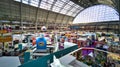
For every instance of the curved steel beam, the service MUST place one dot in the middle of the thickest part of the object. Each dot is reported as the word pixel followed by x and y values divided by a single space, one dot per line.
pixel 36 15
pixel 51 10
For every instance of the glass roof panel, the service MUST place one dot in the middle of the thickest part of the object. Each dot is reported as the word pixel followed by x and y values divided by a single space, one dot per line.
pixel 77 11
pixel 60 6
pixel 59 3
pixel 56 9
pixel 69 13
pixel 65 0
pixel 80 8
pixel 25 1
pixel 74 14
pixel 50 1
pixel 70 3
pixel 98 13
pixel 77 6
pixel 34 3
pixel 64 11
pixel 45 0
pixel 18 0
pixel 73 9
pixel 45 5
pixel 67 7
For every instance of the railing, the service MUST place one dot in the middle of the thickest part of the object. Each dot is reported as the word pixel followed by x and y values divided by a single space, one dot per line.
pixel 46 60
pixel 97 59
pixel 93 49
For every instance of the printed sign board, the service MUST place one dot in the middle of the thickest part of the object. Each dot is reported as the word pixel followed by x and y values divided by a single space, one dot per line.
pixel 5 39
pixel 41 43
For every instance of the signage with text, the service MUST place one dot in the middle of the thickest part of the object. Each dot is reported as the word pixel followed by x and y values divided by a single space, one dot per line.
pixel 5 39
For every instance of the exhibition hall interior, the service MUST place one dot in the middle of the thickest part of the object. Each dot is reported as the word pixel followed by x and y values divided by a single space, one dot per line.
pixel 59 33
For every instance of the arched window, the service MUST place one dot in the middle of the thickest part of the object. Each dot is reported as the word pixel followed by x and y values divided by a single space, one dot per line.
pixel 97 13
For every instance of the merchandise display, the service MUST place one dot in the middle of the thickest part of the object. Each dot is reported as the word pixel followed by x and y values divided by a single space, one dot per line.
pixel 97 57
pixel 92 53
pixel 59 33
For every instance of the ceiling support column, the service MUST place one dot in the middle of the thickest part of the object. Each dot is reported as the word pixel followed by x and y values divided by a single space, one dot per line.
pixel 36 16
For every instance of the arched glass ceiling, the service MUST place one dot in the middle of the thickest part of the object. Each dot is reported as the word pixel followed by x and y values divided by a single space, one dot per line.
pixel 66 7
pixel 97 13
